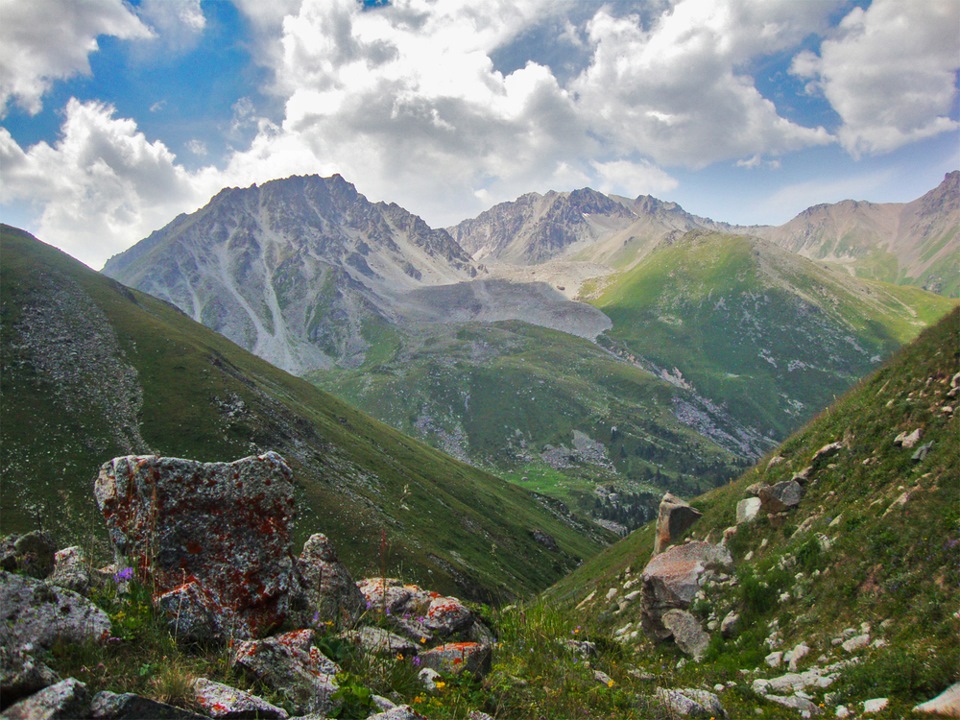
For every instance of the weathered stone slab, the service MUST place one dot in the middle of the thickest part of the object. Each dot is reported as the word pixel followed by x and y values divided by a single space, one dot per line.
pixel 223 702
pixel 674 518
pixel 748 509
pixel 223 527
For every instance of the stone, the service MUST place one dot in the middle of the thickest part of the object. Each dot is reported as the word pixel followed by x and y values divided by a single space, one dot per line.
pixel 293 667
pixel 30 554
pixel 429 678
pixel 690 702
pixel 774 659
pixel 583 648
pixel 754 489
pixel 228 703
pixel 782 496
pixel 842 711
pixel 946 704
pixel 687 633
pixel 330 592
pixel 127 706
pixel 400 712
pixel 65 700
pixel 875 705
pixel 921 452
pixel 602 678
pixel 224 528
pixel 857 642
pixel 21 674
pixel 453 658
pixel 825 453
pixel 907 440
pixel 675 517
pixel 730 625
pixel 377 641
pixel 802 705
pixel 39 614
pixel 70 571
pixel 672 580
pixel 795 655
pixel 748 509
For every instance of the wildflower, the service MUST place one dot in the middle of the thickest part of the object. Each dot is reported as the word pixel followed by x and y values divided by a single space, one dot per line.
pixel 423 641
pixel 123 575
pixel 576 630
pixel 441 685
pixel 416 662
pixel 399 657
pixel 610 683
pixel 316 617
pixel 417 700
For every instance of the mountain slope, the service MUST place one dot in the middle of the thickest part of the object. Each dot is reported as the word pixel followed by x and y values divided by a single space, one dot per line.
pixel 768 335
pixel 91 369
pixel 875 540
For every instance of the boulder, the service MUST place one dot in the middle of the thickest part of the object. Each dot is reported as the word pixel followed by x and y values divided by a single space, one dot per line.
pixel 30 554
pixel 795 702
pixel 690 702
pixel 875 705
pixel 946 704
pixel 687 633
pixel 674 518
pixel 293 667
pixel 70 571
pixel 38 614
pixel 377 641
pixel 453 658
pixel 21 674
pixel 748 509
pixel 794 656
pixel 672 579
pixel 400 712
pixel 782 496
pixel 730 625
pixel 216 534
pixel 127 706
pixel 65 700
pixel 907 439
pixel 825 453
pixel 228 703
pixel 330 593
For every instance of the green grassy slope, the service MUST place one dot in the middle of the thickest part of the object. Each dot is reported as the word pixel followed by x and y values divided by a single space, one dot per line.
pixel 892 523
pixel 73 340
pixel 772 336
pixel 503 394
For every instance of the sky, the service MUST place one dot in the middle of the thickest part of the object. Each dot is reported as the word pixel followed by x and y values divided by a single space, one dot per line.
pixel 116 116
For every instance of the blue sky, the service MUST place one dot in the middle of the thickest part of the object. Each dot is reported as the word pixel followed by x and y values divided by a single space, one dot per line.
pixel 117 116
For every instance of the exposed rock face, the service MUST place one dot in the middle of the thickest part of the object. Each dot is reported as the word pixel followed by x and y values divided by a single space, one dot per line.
pixel 675 517
pixel 782 496
pixel 672 579
pixel 292 666
pixel 37 614
pixel 215 537
pixel 331 594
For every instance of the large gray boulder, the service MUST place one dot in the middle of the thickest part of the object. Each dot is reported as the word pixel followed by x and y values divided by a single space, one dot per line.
pixel 674 518
pixel 672 579
pixel 782 496
pixel 215 539
pixel 688 635
pixel 37 614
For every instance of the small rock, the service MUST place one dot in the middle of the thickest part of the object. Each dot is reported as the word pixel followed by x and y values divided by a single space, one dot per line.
pixel 748 509
pixel 780 497
pixel 802 705
pixel 228 703
pixel 429 677
pixel 378 641
pixel 400 712
pixel 826 452
pixel 946 704
pixel 875 705
pixel 64 700
pixel 70 571
pixel 907 440
pixel 774 659
pixel 842 711
pixel 730 624
pixel 602 678
pixel 921 452
pixel 857 642
pixel 330 592
pixel 691 702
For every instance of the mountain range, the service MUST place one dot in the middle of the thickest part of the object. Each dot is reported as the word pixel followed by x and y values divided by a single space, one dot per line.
pixel 583 345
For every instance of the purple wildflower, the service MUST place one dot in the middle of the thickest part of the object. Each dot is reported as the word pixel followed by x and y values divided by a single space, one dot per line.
pixel 123 575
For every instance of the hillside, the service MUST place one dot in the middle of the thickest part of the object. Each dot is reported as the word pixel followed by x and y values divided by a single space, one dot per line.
pixel 91 369
pixel 874 540
pixel 769 335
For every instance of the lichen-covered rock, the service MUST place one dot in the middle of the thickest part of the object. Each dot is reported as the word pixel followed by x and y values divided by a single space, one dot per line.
pixel 377 641
pixel 401 712
pixel 454 658
pixel 21 674
pixel 782 496
pixel 70 571
pixel 687 633
pixel 224 528
pixel 31 554
pixel 38 614
pixel 330 593
pixel 127 706
pixel 291 665
pixel 672 579
pixel 748 509
pixel 674 518
pixel 66 700
pixel 228 703
pixel 420 614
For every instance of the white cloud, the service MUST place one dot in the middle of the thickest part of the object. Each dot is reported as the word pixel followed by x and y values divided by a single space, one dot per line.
pixel 624 177
pixel 46 40
pixel 178 24
pixel 889 72
pixel 102 186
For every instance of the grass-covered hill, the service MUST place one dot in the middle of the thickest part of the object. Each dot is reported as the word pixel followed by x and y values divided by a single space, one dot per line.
pixel 875 539
pixel 771 336
pixel 90 369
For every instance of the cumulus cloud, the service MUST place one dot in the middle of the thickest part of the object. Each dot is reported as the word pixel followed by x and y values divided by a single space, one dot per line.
pixel 102 186
pixel 178 24
pixel 890 73
pixel 46 40
pixel 624 177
